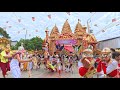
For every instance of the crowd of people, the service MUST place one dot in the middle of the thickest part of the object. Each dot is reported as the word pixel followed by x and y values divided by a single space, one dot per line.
pixel 104 65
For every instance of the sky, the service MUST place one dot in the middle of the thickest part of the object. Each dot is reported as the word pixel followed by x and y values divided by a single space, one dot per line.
pixel 17 24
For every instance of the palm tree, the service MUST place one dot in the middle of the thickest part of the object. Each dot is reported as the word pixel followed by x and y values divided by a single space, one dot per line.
pixel 4 33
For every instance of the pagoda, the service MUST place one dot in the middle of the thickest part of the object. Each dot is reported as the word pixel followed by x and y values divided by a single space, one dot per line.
pixel 54 35
pixel 67 37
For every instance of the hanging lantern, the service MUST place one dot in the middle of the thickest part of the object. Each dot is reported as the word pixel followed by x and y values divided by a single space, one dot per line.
pixel 33 18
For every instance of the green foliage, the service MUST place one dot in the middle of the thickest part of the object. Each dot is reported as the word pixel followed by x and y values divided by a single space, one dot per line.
pixel 4 33
pixel 29 44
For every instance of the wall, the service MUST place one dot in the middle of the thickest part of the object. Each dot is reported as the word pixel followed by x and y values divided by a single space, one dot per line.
pixel 111 43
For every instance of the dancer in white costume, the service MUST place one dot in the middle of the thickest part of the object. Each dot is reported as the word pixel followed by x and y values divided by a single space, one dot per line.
pixel 14 64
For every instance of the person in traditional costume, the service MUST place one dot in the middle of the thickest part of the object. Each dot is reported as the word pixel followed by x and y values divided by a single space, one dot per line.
pixel 87 69
pixel 14 64
pixel 5 60
pixel 107 66
pixel 113 68
pixel 70 64
pixel 30 66
pixel 58 64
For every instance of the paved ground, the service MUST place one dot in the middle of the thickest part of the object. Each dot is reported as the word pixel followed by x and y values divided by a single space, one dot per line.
pixel 42 73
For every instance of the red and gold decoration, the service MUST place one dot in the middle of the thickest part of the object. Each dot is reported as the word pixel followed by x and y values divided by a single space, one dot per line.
pixel 80 38
pixel 3 42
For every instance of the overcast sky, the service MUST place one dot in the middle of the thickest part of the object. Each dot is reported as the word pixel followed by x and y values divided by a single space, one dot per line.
pixel 42 20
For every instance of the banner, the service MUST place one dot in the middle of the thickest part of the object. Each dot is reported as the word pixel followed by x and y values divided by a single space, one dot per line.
pixel 67 42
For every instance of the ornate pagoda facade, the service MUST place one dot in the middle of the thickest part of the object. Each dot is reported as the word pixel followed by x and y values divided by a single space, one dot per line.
pixel 79 36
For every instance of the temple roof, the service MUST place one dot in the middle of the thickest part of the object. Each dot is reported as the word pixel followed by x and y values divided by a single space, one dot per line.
pixel 54 30
pixel 66 28
pixel 79 30
pixel 54 33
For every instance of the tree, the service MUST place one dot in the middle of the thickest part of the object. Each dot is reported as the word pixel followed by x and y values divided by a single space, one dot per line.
pixel 30 44
pixel 4 33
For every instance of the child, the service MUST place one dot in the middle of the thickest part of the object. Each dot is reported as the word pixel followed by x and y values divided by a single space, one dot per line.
pixel 66 63
pixel 58 65
pixel 71 63
pixel 30 66
pixel 35 62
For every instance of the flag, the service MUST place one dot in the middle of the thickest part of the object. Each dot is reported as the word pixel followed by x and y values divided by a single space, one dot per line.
pixel 96 25
pixel 113 20
pixel 29 35
pixel 19 20
pixel 23 28
pixel 36 30
pixel 68 13
pixel 33 18
pixel 117 24
pixel 7 21
pixel 18 32
pixel 10 26
pixel 103 30
pixel 49 16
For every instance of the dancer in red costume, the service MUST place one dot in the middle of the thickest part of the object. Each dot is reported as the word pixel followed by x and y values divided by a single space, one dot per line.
pixel 112 69
pixel 108 67
pixel 87 69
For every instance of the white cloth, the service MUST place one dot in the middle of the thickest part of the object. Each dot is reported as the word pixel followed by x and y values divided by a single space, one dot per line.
pixel 30 65
pixel 100 74
pixel 80 64
pixel 112 66
pixel 15 69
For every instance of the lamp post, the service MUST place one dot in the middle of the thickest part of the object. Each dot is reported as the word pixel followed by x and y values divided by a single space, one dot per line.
pixel 88 21
pixel 25 34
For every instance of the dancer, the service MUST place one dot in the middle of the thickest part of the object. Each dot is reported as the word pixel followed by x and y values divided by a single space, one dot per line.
pixel 58 65
pixel 14 64
pixel 4 64
pixel 87 69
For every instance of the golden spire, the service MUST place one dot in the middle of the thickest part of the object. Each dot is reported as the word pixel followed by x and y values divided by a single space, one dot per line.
pixel 79 29
pixel 66 28
pixel 55 32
